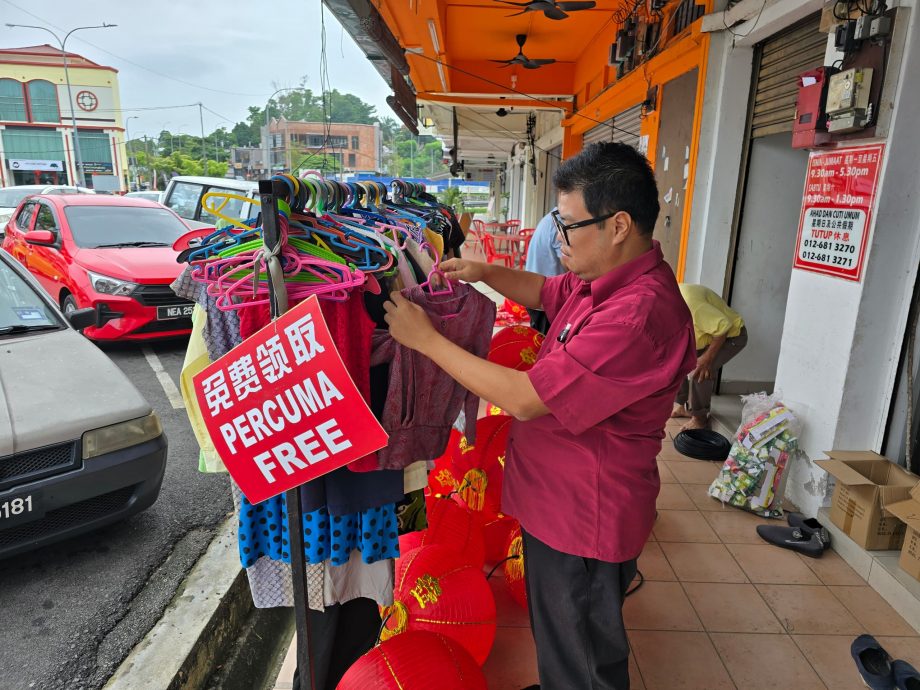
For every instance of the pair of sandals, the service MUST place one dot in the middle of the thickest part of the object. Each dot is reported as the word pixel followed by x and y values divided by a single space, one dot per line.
pixel 878 670
pixel 807 536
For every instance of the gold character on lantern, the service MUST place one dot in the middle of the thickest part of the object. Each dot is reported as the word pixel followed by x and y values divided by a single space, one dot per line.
pixel 426 591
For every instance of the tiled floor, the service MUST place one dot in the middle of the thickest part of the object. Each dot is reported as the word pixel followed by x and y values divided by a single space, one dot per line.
pixel 720 608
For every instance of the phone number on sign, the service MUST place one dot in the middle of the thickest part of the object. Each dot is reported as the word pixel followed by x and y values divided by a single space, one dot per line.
pixel 831 259
pixel 830 246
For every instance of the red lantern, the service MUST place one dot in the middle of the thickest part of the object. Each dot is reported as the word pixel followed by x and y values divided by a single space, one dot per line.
pixel 514 567
pixel 441 479
pixel 452 524
pixel 415 661
pixel 436 591
pixel 480 472
pixel 493 410
pixel 495 536
pixel 411 541
pixel 515 347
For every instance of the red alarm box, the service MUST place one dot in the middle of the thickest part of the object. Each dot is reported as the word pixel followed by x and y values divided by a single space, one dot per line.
pixel 810 127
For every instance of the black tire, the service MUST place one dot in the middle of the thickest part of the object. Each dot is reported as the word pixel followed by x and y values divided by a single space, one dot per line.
pixel 69 304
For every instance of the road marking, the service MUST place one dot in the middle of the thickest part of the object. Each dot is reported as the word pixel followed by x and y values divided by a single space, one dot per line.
pixel 172 393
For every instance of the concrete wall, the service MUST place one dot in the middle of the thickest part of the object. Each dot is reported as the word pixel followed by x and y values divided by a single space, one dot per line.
pixel 766 248
pixel 841 340
pixel 725 101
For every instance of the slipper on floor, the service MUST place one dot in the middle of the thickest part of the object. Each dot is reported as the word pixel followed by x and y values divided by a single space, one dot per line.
pixel 873 663
pixel 812 544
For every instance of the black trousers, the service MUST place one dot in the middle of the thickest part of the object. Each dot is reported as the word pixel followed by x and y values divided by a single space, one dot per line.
pixel 576 616
pixel 338 636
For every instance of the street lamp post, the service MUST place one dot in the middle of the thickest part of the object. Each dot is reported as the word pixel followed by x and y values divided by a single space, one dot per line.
pixel 81 178
pixel 268 139
pixel 128 150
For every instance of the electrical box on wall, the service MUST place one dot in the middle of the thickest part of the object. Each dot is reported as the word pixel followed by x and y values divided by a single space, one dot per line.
pixel 848 104
pixel 810 127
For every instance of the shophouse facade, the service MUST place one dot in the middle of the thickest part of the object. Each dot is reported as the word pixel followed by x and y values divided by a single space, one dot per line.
pixel 36 127
pixel 292 145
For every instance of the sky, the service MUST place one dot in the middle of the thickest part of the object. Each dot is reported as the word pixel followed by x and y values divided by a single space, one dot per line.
pixel 177 52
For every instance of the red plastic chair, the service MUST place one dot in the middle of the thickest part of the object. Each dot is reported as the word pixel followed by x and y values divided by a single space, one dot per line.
pixel 477 230
pixel 488 245
pixel 512 225
pixel 526 234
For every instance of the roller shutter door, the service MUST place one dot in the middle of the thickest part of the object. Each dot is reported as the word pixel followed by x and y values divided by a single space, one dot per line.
pixel 623 128
pixel 782 58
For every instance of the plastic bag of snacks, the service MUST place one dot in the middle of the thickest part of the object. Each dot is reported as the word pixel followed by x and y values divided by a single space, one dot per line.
pixel 753 476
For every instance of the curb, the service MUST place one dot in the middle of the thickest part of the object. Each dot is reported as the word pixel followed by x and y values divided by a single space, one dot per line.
pixel 198 627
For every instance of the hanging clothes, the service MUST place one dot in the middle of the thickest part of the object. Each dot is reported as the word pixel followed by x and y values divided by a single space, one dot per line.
pixel 342 491
pixel 196 360
pixel 263 531
pixel 271 585
pixel 221 328
pixel 423 401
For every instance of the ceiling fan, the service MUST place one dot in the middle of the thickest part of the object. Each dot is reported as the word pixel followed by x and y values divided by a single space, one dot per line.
pixel 523 60
pixel 552 9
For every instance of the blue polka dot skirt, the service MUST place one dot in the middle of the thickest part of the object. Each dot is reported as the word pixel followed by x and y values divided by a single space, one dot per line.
pixel 263 531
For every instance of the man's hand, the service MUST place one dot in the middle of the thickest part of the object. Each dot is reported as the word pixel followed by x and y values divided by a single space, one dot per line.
pixel 703 371
pixel 463 269
pixel 408 322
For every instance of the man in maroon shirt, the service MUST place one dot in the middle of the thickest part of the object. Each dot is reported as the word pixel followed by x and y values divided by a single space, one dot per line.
pixel 580 473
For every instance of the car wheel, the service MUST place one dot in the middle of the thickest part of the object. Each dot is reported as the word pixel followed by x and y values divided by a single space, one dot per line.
pixel 68 304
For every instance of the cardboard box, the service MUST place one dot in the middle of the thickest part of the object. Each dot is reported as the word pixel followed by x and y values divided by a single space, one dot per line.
pixel 909 512
pixel 866 484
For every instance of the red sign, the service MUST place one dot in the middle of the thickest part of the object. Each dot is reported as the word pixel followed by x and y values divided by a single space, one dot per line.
pixel 836 215
pixel 281 408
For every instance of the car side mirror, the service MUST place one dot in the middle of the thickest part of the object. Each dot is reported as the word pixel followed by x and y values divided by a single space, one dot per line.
pixel 40 237
pixel 82 318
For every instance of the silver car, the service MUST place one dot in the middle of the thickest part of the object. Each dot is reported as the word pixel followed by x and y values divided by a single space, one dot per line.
pixel 79 445
pixel 11 197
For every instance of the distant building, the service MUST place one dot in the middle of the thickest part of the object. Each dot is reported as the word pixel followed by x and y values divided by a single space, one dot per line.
pixel 293 144
pixel 36 134
pixel 247 162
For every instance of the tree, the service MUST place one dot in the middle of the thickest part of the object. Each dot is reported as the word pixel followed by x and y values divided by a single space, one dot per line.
pixel 453 197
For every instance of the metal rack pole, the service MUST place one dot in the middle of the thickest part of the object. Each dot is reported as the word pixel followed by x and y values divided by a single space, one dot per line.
pixel 271 237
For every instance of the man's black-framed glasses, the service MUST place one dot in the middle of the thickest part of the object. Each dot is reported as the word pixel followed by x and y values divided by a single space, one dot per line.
pixel 564 229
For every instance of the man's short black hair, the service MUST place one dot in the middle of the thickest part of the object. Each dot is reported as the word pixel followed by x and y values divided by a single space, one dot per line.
pixel 613 177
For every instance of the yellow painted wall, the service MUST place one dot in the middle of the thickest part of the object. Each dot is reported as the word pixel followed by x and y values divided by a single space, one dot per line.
pixel 79 76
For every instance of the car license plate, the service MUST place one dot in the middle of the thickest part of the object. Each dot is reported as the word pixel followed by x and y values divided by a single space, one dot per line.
pixel 178 311
pixel 16 510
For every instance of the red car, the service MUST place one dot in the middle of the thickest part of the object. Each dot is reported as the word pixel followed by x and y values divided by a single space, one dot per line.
pixel 108 252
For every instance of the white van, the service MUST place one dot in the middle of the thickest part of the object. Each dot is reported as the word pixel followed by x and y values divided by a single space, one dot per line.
pixel 183 195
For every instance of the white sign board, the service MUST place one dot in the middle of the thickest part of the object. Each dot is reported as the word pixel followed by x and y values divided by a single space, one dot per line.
pixel 31 164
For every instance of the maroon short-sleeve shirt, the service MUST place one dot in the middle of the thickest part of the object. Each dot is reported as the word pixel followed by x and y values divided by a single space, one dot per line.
pixel 584 478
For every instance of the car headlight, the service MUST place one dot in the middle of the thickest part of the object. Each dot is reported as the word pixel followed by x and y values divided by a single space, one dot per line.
pixel 110 286
pixel 108 439
pixel 5 217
